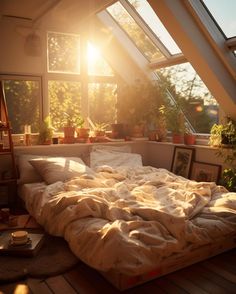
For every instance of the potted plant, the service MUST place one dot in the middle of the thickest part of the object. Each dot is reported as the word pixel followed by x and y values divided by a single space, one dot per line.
pixel 175 122
pixel 226 149
pixel 82 132
pixel 69 128
pixel 45 131
pixel 100 129
pixel 189 137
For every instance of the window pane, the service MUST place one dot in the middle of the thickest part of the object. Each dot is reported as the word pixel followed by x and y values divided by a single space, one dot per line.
pixel 63 53
pixel 102 102
pixel 186 87
pixel 137 35
pixel 224 14
pixel 150 17
pixel 22 97
pixel 65 97
pixel 96 64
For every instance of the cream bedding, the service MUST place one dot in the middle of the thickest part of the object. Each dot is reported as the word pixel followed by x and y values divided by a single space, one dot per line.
pixel 130 219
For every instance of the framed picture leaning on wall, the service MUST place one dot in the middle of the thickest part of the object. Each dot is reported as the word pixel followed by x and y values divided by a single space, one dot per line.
pixel 205 172
pixel 182 160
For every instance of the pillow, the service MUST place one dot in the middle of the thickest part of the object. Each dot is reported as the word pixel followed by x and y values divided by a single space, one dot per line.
pixel 114 159
pixel 27 174
pixel 55 169
pixel 122 148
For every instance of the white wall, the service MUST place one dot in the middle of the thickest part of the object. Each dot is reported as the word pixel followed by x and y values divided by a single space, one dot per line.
pixel 13 58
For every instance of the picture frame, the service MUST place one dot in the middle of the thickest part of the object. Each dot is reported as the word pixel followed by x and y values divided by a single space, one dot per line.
pixel 182 161
pixel 205 172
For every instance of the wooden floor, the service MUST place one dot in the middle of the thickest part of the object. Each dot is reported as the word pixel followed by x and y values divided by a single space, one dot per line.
pixel 215 275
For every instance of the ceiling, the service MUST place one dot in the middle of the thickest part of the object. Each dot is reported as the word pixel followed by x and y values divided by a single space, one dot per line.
pixel 34 10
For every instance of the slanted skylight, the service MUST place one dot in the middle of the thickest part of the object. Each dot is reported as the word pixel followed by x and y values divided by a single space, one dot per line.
pixel 135 32
pixel 149 16
pixel 224 14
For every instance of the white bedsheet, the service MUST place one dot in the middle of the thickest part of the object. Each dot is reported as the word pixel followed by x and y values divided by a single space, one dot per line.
pixel 129 219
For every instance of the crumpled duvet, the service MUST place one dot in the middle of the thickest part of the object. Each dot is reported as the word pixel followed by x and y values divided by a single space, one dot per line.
pixel 130 219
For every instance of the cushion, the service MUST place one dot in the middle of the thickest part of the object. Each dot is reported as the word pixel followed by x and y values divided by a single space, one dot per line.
pixel 55 169
pixel 122 148
pixel 27 174
pixel 114 159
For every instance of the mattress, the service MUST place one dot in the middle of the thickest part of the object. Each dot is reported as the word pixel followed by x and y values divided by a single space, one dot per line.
pixel 133 225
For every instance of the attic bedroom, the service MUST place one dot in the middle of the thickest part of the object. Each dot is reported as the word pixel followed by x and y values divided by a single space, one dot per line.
pixel 117 146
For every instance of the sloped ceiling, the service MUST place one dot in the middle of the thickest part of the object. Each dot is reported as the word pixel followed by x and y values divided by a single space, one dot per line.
pixel 34 10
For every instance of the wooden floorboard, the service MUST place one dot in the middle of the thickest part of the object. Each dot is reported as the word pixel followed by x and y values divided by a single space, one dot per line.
pixel 216 275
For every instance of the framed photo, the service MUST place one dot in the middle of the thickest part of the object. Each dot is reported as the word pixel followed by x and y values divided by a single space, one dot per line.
pixel 205 172
pixel 182 160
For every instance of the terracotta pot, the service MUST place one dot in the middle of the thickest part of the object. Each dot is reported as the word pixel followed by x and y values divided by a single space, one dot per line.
pixel 189 139
pixel 177 138
pixel 69 132
pixel 82 133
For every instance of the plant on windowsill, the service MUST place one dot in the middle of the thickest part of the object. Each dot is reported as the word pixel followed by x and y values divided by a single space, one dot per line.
pixel 175 122
pixel 226 149
pixel 45 131
pixel 189 137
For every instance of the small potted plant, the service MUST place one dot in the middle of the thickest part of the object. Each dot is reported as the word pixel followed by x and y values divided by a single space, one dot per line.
pixel 69 129
pixel 45 131
pixel 189 137
pixel 175 122
pixel 82 132
pixel 100 129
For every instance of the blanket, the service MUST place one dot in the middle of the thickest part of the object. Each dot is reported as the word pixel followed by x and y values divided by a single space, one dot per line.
pixel 130 219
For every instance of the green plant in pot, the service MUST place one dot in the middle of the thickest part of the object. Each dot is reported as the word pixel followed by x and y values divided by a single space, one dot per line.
pixel 226 149
pixel 45 131
pixel 100 129
pixel 175 122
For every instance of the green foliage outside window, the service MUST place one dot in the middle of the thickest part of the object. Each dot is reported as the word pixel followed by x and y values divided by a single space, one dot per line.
pixel 22 97
pixel 65 97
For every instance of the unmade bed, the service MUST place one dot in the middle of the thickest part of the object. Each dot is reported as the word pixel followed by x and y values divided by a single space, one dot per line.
pixel 130 222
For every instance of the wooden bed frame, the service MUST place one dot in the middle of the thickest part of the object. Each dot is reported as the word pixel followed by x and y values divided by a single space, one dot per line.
pixel 172 263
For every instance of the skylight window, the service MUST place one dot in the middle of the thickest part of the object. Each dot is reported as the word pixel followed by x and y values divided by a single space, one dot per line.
pixel 149 16
pixel 135 32
pixel 224 14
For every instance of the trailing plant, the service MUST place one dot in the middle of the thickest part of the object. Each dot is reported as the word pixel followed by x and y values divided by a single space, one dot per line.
pixel 226 149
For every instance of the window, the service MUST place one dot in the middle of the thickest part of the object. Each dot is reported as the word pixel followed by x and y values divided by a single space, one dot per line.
pixel 23 95
pixel 186 87
pixel 65 97
pixel 137 35
pixel 63 53
pixel 223 12
pixel 102 102
pixel 151 19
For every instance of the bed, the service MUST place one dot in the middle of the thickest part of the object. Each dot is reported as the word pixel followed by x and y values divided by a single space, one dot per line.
pixel 130 222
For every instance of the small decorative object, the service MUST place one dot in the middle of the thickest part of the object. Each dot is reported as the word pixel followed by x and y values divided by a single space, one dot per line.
pixel 182 160
pixel 205 172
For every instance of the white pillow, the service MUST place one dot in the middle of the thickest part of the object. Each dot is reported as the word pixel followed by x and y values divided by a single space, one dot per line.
pixel 114 159
pixel 122 148
pixel 27 174
pixel 55 169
